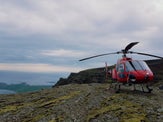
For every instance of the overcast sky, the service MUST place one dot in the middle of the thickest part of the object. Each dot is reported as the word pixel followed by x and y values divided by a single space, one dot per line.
pixel 52 35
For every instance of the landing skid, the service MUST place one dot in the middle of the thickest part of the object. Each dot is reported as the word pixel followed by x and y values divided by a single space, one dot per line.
pixel 149 90
pixel 117 87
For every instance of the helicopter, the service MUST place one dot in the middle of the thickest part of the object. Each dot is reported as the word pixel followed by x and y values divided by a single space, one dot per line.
pixel 129 71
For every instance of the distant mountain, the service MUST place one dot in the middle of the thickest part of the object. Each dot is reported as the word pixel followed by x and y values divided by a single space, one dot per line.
pixel 12 77
pixel 19 88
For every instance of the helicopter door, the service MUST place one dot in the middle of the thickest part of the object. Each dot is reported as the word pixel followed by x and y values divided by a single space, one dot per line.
pixel 121 71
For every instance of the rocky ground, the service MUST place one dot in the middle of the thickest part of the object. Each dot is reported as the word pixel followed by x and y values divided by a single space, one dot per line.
pixel 83 103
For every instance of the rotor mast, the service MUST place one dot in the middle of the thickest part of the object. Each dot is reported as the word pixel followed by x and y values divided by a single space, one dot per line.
pixel 128 47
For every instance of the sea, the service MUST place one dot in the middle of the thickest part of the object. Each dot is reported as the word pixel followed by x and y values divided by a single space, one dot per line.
pixel 4 91
pixel 10 77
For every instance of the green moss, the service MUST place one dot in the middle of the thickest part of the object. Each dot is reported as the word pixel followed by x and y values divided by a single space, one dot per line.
pixel 58 119
pixel 52 120
pixel 134 118
pixel 132 112
pixel 125 110
pixel 37 117
pixel 9 108
pixel 96 112
pixel 60 99
pixel 40 104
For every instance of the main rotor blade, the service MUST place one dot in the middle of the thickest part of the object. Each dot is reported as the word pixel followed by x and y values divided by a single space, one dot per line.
pixel 129 46
pixel 147 54
pixel 99 56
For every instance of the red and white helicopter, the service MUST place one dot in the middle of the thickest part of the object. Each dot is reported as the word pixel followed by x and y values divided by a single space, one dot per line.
pixel 129 71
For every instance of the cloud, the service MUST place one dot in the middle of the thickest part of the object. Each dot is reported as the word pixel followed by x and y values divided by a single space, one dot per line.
pixel 49 31
pixel 63 53
pixel 58 17
pixel 37 68
pixel 87 22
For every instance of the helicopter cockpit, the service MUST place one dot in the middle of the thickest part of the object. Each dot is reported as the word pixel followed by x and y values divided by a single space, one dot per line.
pixel 136 65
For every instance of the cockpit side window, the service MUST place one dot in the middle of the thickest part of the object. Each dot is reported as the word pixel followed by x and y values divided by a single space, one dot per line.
pixel 136 65
pixel 121 68
pixel 129 66
pixel 144 65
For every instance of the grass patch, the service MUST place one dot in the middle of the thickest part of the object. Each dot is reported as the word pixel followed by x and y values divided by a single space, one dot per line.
pixel 125 110
pixel 60 99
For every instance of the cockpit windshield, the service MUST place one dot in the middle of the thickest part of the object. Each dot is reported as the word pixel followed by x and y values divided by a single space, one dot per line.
pixel 136 65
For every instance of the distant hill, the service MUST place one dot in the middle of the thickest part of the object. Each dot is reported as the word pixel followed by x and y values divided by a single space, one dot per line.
pixel 31 78
pixel 22 87
pixel 157 68
pixel 97 75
